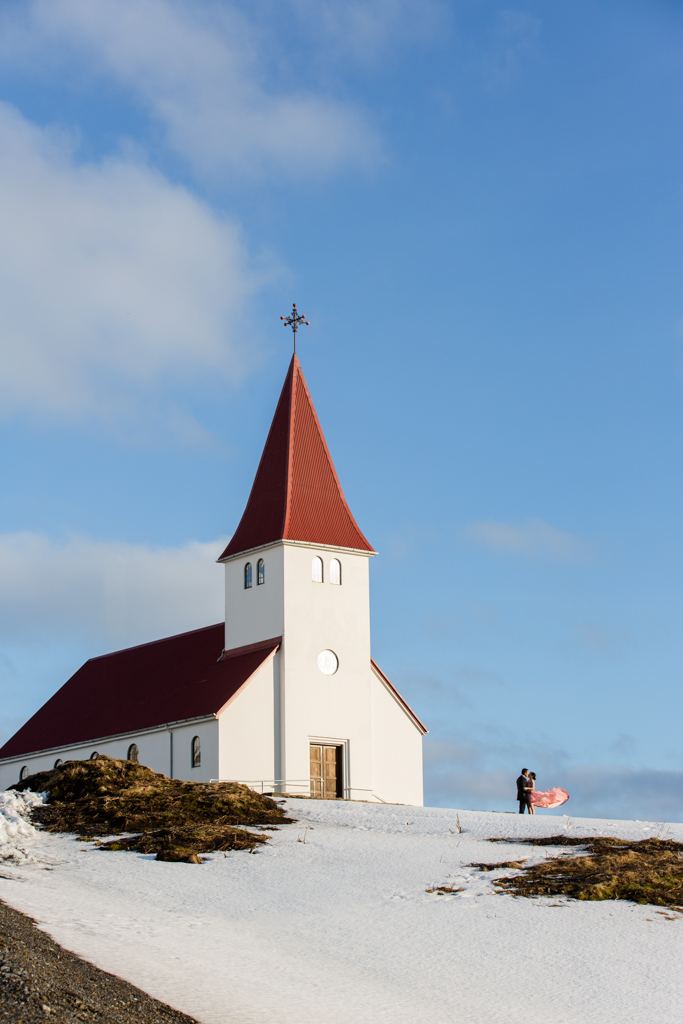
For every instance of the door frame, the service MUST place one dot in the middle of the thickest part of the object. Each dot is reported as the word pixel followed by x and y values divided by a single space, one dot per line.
pixel 331 741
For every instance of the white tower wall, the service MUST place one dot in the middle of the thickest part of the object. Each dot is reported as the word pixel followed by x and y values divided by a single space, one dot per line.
pixel 307 705
pixel 335 708
pixel 257 613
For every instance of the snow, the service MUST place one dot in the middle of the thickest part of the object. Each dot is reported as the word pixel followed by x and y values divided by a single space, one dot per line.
pixel 17 835
pixel 331 923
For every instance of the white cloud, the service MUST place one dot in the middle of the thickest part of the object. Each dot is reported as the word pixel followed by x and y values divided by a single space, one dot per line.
pixel 205 72
pixel 112 282
pixel 533 538
pixel 108 592
pixel 367 29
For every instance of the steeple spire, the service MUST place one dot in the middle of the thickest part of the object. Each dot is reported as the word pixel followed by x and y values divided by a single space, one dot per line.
pixel 296 494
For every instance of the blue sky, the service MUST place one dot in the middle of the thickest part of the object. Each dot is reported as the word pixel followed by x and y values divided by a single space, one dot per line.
pixel 479 207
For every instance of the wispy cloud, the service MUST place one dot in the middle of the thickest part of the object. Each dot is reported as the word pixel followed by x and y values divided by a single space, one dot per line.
pixel 366 30
pixel 600 638
pixel 515 44
pixel 207 74
pixel 476 773
pixel 115 285
pixel 532 538
pixel 108 592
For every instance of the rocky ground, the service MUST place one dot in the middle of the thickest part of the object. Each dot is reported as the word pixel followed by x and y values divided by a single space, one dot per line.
pixel 40 981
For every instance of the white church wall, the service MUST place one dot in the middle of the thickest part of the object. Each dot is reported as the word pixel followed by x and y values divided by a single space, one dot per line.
pixel 396 750
pixel 318 707
pixel 249 730
pixel 154 747
pixel 208 733
pixel 255 613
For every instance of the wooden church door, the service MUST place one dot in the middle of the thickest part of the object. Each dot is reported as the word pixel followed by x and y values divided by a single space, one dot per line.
pixel 326 771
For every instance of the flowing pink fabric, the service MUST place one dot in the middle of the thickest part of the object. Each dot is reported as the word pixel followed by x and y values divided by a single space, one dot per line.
pixel 550 798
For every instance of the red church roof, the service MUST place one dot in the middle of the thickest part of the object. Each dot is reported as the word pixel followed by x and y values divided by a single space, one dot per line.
pixel 296 494
pixel 172 680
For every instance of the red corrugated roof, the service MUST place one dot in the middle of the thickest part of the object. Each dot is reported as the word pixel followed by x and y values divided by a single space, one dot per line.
pixel 296 493
pixel 165 681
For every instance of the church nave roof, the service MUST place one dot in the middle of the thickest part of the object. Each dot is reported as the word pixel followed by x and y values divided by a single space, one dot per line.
pixel 172 680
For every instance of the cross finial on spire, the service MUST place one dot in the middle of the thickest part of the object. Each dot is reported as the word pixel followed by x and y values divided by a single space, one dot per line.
pixel 294 321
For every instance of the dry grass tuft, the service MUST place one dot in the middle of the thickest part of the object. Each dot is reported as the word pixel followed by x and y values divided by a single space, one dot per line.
pixel 501 864
pixel 643 871
pixel 444 890
pixel 176 820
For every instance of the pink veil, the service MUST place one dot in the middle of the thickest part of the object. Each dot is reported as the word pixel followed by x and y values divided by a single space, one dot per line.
pixel 550 798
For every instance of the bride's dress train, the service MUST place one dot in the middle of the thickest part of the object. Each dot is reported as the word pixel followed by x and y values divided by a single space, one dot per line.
pixel 550 798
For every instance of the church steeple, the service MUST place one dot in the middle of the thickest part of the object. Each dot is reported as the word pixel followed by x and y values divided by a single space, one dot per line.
pixel 296 494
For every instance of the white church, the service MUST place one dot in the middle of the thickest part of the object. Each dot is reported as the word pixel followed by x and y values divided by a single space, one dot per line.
pixel 284 696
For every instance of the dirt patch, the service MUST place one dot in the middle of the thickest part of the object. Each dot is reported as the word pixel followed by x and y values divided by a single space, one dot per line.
pixel 642 871
pixel 496 867
pixel 177 820
pixel 445 890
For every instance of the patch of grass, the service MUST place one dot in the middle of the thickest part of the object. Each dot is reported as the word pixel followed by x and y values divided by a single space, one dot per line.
pixel 444 890
pixel 501 864
pixel 642 871
pixel 177 820
pixel 185 844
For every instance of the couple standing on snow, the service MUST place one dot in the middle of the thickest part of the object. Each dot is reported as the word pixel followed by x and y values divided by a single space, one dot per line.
pixel 529 799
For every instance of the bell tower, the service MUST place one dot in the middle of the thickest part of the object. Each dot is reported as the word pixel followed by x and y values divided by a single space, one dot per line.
pixel 297 568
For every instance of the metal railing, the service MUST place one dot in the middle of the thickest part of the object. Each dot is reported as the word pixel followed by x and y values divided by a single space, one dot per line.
pixel 271 786
pixel 267 785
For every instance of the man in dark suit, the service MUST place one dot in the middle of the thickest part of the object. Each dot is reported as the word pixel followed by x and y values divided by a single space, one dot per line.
pixel 523 789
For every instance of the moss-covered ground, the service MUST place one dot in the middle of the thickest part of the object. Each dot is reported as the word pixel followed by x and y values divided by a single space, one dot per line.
pixel 177 820
pixel 643 871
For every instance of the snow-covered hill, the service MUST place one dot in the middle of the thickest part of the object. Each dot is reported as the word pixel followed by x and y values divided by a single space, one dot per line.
pixel 331 923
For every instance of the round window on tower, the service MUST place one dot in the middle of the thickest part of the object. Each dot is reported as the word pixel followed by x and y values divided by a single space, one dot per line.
pixel 328 662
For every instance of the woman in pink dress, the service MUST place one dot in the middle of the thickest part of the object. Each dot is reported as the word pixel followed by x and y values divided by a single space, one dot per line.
pixel 530 792
pixel 549 798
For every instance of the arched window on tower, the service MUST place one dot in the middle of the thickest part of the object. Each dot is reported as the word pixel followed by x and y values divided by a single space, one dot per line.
pixel 23 774
pixel 317 570
pixel 94 756
pixel 247 576
pixel 335 571
pixel 260 572
pixel 58 762
pixel 196 752
pixel 133 753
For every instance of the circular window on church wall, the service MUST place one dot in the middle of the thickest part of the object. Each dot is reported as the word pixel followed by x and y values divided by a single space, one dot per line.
pixel 328 663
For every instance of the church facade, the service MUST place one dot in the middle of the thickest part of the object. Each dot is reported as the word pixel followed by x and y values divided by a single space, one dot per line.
pixel 284 695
